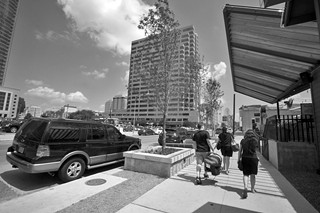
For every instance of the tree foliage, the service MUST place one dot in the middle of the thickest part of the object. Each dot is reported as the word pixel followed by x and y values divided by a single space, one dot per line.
pixel 212 99
pixel 157 71
pixel 28 115
pixel 82 115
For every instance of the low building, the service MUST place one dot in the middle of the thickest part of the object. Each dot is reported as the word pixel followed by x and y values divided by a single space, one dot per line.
pixel 9 99
pixel 256 115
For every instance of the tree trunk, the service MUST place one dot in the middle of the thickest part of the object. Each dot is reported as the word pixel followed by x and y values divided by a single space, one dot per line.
pixel 164 131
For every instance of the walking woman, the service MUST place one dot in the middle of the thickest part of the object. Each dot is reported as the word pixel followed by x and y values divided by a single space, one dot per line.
pixel 225 138
pixel 249 158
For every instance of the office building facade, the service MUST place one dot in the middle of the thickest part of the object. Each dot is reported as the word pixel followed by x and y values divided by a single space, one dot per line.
pixel 9 99
pixel 179 109
pixel 8 11
pixel 119 103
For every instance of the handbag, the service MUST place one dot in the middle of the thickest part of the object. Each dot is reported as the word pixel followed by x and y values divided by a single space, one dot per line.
pixel 240 165
pixel 235 147
pixel 219 145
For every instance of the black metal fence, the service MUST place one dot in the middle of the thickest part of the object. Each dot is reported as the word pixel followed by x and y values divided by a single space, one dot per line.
pixel 290 128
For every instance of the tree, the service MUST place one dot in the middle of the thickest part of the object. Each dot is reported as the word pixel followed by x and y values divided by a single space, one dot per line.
pixel 21 106
pixel 163 38
pixel 82 115
pixel 198 76
pixel 28 115
pixel 49 114
pixel 212 100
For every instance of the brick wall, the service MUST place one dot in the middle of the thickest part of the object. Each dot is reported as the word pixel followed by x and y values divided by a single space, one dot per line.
pixel 315 92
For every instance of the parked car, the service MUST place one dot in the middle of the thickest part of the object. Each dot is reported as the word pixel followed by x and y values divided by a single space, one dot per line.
pixel 67 147
pixel 128 128
pixel 146 131
pixel 157 130
pixel 175 135
pixel 11 126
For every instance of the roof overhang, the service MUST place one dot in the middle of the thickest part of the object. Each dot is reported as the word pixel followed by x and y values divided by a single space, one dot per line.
pixel 270 63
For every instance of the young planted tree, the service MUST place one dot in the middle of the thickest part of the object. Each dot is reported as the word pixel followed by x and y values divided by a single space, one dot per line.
pixel 161 69
pixel 199 77
pixel 212 99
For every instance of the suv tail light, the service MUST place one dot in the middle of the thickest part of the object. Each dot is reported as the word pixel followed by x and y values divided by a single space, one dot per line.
pixel 43 151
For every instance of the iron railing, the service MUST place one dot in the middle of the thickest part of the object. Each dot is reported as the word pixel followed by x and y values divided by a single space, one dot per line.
pixel 290 128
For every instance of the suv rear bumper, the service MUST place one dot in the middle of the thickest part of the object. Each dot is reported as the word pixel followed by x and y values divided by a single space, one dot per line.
pixel 29 167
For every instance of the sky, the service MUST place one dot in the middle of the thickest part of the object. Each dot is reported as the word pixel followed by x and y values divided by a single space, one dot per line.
pixel 77 52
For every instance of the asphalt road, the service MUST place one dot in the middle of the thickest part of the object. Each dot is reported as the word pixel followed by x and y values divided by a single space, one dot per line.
pixel 15 183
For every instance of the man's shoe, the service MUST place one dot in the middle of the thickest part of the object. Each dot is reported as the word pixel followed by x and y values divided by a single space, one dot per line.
pixel 253 190
pixel 244 194
pixel 198 181
pixel 206 176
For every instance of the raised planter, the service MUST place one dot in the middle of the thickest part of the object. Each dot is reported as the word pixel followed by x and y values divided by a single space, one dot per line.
pixel 161 165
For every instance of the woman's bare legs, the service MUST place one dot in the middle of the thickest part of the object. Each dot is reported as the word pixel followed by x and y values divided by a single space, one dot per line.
pixel 253 182
pixel 226 163
pixel 245 186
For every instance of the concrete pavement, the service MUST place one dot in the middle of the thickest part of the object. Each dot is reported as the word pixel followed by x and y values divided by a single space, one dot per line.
pixel 222 193
pixel 179 194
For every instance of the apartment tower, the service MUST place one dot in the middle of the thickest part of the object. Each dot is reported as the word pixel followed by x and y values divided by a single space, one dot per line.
pixel 8 11
pixel 179 110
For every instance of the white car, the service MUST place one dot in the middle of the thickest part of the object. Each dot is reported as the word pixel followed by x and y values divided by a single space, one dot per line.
pixel 157 130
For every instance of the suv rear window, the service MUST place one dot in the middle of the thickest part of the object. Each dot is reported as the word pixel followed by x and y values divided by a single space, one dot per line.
pixel 33 130
pixel 57 135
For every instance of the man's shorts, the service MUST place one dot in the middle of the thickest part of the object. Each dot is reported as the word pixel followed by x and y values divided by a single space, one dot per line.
pixel 200 156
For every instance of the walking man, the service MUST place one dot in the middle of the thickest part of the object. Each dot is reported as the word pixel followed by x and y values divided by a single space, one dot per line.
pixel 201 137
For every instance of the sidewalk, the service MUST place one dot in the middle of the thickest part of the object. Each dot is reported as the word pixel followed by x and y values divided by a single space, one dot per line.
pixel 222 193
pixel 177 194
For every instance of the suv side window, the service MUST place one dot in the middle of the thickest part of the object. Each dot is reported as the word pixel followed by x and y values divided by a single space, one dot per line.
pixel 57 135
pixel 112 133
pixel 96 132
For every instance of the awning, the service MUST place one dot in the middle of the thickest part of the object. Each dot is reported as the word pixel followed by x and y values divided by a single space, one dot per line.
pixel 267 61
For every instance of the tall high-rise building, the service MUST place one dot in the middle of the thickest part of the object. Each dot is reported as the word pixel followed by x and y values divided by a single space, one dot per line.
pixel 179 109
pixel 108 108
pixel 119 103
pixel 8 11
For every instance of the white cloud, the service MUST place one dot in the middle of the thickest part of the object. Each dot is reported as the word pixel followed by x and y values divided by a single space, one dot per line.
pixel 52 36
pixel 112 24
pixel 56 97
pixel 125 79
pixel 77 97
pixel 219 70
pixel 34 82
pixel 123 63
pixel 97 74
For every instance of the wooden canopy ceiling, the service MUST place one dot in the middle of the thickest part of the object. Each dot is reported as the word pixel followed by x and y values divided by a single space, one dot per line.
pixel 267 61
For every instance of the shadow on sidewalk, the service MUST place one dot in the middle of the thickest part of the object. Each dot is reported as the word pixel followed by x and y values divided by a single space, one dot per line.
pixel 205 182
pixel 216 207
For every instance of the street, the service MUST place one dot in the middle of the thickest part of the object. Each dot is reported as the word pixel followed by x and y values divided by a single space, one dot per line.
pixel 21 183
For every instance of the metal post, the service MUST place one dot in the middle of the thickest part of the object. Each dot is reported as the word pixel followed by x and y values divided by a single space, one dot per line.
pixel 234 112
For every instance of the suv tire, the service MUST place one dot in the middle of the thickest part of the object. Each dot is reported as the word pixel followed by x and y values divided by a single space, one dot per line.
pixel 72 169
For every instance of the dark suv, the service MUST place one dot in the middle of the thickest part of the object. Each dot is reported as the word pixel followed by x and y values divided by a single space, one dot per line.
pixel 177 135
pixel 67 147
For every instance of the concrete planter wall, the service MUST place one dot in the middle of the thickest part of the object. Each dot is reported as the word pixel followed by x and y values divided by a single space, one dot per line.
pixel 161 165
pixel 293 156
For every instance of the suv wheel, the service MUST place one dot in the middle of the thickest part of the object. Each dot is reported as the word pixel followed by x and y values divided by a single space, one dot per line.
pixel 72 169
pixel 13 129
